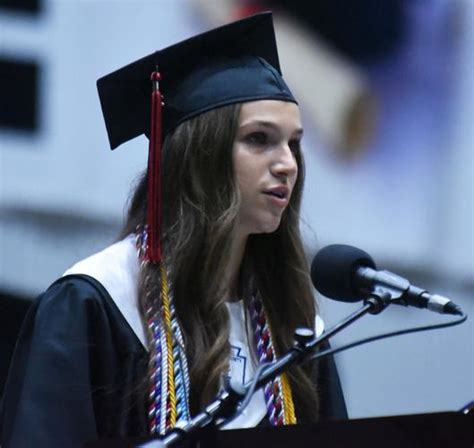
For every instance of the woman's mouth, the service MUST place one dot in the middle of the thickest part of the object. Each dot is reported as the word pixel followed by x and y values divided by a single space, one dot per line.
pixel 278 195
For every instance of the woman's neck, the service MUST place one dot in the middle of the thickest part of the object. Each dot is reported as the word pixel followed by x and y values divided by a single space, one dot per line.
pixel 235 261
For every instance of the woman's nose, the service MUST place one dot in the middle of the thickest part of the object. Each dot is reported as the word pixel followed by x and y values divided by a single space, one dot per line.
pixel 285 163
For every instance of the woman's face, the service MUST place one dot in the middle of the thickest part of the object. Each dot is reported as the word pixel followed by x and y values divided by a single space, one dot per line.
pixel 268 135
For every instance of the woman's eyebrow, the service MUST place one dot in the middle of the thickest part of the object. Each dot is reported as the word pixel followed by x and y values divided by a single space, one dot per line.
pixel 271 125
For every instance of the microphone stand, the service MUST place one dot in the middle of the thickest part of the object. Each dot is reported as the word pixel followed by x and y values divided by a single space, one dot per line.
pixel 226 402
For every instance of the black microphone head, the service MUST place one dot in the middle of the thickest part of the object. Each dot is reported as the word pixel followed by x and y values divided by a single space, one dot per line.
pixel 333 269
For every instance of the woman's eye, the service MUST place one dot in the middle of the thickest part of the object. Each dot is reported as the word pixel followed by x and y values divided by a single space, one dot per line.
pixel 257 138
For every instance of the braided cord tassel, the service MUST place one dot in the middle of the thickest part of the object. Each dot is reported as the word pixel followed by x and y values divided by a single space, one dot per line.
pixel 164 384
pixel 154 336
pixel 181 370
pixel 168 368
pixel 155 371
pixel 171 405
pixel 289 406
pixel 278 396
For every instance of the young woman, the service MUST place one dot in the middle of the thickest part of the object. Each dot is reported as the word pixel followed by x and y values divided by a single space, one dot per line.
pixel 209 278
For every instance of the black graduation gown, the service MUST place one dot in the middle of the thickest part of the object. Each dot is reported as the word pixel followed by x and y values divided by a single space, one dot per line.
pixel 79 372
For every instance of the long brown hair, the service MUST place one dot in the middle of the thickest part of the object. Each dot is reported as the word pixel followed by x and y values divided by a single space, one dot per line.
pixel 200 208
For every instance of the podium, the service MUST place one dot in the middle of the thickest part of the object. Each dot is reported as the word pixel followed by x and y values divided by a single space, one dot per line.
pixel 446 430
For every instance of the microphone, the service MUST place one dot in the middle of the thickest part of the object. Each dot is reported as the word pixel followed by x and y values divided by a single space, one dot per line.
pixel 349 274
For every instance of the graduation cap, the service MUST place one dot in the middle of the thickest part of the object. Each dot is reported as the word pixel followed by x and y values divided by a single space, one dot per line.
pixel 231 64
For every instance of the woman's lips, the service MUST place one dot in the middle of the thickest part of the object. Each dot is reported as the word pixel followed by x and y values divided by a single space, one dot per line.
pixel 278 199
pixel 280 191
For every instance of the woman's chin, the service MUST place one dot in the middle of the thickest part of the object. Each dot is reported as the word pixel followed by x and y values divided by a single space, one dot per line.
pixel 262 223
pixel 269 226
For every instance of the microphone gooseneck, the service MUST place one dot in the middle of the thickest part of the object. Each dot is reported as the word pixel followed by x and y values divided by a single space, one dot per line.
pixel 349 274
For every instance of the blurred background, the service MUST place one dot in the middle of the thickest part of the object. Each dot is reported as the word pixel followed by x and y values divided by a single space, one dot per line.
pixel 387 96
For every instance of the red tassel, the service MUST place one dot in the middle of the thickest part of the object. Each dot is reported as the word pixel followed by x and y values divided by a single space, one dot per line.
pixel 154 204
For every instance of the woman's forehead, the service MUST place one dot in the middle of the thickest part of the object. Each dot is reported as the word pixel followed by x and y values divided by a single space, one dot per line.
pixel 270 113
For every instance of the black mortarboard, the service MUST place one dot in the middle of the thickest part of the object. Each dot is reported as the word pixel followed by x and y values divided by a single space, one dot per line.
pixel 231 64
pixel 235 63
